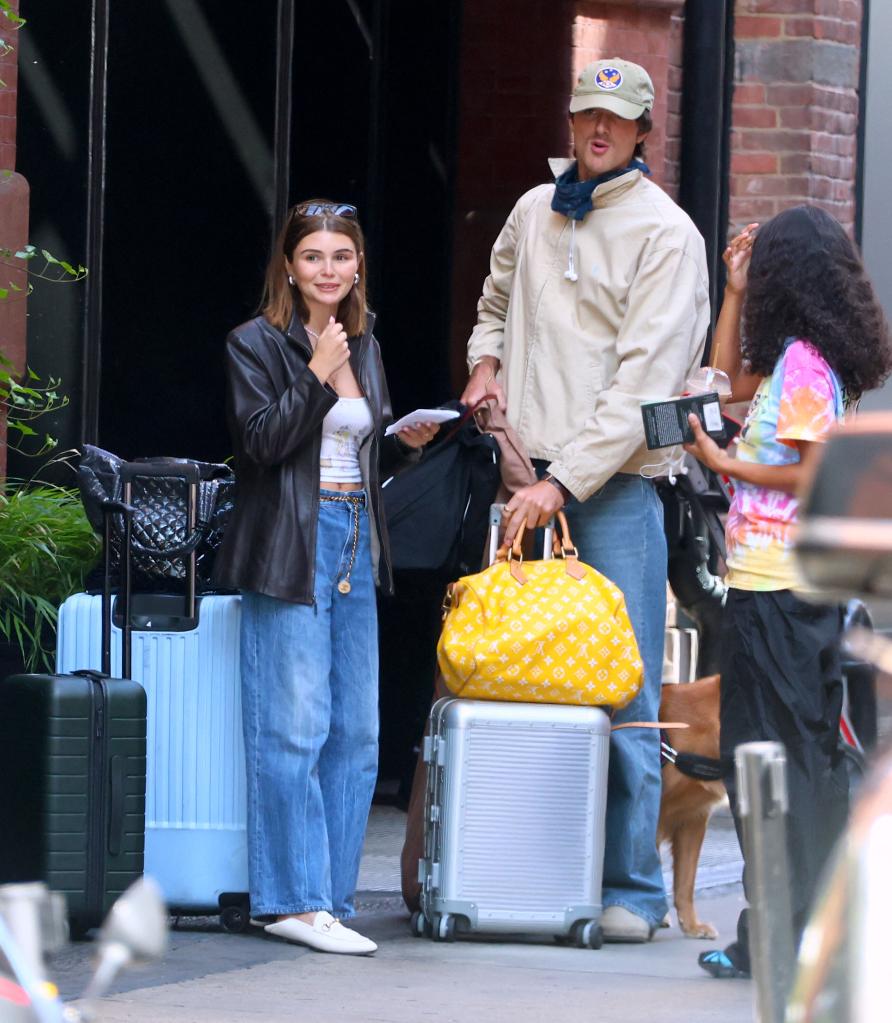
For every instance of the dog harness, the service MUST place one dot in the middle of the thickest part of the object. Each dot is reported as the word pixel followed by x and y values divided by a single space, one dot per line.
pixel 692 764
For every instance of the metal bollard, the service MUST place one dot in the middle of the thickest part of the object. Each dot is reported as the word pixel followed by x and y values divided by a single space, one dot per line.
pixel 762 802
pixel 36 919
pixel 32 922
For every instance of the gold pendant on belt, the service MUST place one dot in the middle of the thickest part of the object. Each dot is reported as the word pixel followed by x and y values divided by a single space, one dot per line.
pixel 344 586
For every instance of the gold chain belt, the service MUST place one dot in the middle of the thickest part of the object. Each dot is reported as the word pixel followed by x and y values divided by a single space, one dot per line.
pixel 356 503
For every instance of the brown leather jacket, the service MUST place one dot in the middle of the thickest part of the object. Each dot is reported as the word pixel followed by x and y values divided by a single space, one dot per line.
pixel 275 408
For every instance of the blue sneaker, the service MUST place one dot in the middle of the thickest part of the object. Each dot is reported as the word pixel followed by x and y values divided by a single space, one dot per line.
pixel 717 964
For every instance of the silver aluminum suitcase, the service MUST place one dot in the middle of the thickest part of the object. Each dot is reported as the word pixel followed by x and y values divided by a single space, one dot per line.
pixel 514 820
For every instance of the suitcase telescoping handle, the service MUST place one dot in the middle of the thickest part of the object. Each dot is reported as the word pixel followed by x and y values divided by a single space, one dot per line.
pixel 189 473
pixel 495 523
pixel 126 512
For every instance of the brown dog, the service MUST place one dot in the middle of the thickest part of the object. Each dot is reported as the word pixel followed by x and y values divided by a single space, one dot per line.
pixel 686 802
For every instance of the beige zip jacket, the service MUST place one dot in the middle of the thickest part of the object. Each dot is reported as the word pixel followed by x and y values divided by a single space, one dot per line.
pixel 579 358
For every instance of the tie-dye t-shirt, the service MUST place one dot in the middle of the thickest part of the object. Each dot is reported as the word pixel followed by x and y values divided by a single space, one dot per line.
pixel 801 400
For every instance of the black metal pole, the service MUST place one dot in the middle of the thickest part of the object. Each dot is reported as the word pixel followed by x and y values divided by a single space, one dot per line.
pixel 91 378
pixel 706 123
pixel 282 137
pixel 862 117
pixel 373 221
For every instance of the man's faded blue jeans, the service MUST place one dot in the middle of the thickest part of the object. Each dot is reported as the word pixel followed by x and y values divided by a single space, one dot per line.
pixel 310 713
pixel 619 531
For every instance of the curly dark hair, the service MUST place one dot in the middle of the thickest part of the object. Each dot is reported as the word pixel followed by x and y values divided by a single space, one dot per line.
pixel 806 280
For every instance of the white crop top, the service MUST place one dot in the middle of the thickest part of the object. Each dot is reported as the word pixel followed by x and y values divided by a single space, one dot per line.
pixel 343 430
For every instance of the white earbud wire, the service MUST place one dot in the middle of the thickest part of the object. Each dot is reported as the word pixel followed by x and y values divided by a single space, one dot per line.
pixel 570 273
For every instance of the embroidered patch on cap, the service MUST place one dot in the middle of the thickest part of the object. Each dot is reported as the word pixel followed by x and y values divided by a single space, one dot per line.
pixel 608 78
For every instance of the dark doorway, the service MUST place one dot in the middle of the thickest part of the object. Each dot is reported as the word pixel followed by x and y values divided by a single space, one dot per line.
pixel 187 211
pixel 373 109
pixel 188 202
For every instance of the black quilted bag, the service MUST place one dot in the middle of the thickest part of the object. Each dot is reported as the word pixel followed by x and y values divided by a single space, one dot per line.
pixel 163 537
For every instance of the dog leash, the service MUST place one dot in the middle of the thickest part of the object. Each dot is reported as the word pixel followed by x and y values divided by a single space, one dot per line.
pixel 691 764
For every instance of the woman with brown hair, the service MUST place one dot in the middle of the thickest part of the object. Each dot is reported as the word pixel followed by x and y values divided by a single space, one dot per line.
pixel 307 409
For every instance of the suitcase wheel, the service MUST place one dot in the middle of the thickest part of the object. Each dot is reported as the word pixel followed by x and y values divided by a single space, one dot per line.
pixel 595 936
pixel 420 925
pixel 234 919
pixel 444 927
pixel 587 934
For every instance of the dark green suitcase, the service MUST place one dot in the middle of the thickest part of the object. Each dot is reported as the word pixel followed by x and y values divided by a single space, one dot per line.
pixel 72 777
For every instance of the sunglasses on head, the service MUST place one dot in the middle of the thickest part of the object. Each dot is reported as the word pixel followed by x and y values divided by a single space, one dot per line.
pixel 322 209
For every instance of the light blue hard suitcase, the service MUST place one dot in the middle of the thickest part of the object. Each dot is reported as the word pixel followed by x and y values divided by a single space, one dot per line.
pixel 195 772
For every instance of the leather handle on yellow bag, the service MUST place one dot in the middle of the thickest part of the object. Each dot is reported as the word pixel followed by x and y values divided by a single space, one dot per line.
pixel 566 550
pixel 563 548
pixel 513 554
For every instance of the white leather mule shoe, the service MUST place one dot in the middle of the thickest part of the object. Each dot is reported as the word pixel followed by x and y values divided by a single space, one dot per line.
pixel 325 934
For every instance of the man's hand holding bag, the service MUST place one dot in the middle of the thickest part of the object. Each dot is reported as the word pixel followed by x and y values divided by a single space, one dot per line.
pixel 551 631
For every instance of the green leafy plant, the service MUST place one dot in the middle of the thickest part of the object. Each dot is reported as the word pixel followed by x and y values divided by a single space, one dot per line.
pixel 22 400
pixel 22 404
pixel 58 271
pixel 47 547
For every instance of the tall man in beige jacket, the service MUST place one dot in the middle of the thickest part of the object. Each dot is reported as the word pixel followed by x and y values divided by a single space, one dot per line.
pixel 597 300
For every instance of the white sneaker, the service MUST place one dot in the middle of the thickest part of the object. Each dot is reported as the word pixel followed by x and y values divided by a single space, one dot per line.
pixel 325 934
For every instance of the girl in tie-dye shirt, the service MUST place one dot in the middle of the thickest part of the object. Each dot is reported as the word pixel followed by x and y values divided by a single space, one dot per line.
pixel 801 334
pixel 801 401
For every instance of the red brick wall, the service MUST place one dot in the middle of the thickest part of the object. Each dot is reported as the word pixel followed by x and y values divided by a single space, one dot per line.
pixel 13 218
pixel 519 62
pixel 795 110
pixel 9 73
pixel 649 34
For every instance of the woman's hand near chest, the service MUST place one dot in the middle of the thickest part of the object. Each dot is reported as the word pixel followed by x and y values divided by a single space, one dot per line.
pixel 344 383
pixel 330 354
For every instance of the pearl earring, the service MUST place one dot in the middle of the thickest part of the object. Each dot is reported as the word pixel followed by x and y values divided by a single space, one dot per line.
pixel 356 278
pixel 291 280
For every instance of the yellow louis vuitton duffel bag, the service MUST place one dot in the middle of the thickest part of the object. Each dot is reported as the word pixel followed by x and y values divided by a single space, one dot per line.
pixel 554 631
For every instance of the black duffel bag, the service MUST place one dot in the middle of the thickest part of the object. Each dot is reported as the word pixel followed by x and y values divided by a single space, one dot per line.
pixel 437 511
pixel 163 539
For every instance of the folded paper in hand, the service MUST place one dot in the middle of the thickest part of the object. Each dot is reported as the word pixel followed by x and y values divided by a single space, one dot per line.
pixel 422 415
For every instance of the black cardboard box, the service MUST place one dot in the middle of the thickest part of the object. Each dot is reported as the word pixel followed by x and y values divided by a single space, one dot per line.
pixel 666 422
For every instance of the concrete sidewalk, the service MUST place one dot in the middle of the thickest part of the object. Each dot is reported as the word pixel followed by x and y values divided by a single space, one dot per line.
pixel 409 980
pixel 211 976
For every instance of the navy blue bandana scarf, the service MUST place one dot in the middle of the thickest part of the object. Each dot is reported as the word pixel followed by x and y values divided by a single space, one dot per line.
pixel 573 198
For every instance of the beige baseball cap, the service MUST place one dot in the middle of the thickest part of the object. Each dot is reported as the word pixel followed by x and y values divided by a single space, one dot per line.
pixel 616 85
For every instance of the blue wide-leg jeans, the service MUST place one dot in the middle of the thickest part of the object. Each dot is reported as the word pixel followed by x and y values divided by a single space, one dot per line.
pixel 619 531
pixel 310 715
